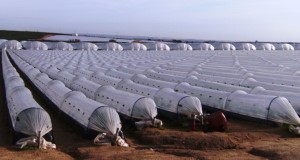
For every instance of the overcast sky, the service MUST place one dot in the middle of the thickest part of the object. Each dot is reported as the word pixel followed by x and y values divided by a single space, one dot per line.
pixel 264 20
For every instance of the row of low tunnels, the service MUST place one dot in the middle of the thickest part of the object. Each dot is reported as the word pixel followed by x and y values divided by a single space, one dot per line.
pixel 73 79
pixel 96 112
pixel 137 46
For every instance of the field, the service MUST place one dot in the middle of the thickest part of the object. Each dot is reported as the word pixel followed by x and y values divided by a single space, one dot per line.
pixel 243 140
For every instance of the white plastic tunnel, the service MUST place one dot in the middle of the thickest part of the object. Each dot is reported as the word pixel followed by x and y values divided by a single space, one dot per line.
pixel 181 47
pixel 27 118
pixel 266 47
pixel 87 46
pixel 144 80
pixel 11 44
pixel 166 99
pixel 246 47
pixel 286 47
pixel 88 113
pixel 266 107
pixel 272 108
pixel 157 46
pixel 91 114
pixel 63 46
pixel 2 40
pixel 112 46
pixel 137 47
pixel 179 103
pixel 135 106
pixel 226 47
pixel 105 120
pixel 37 46
pixel 204 47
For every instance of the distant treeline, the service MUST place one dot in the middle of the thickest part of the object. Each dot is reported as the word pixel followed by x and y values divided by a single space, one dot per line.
pixel 23 35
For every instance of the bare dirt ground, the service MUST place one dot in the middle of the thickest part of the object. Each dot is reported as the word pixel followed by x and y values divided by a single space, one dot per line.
pixel 243 140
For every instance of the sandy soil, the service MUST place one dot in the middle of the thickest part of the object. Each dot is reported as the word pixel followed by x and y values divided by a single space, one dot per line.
pixel 243 140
